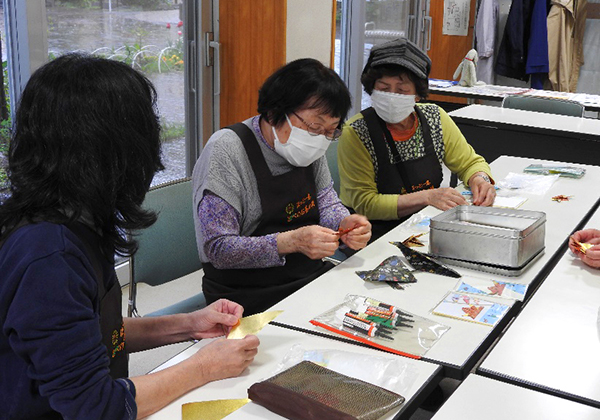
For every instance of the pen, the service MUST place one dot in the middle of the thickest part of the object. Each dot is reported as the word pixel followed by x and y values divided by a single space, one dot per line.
pixel 369 333
pixel 369 328
pixel 382 323
pixel 390 308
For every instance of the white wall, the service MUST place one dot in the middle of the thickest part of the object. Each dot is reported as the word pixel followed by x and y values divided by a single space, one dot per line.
pixel 308 32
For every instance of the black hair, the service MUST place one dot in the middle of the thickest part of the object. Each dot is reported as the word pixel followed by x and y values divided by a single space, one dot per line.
pixel 372 74
pixel 303 84
pixel 86 146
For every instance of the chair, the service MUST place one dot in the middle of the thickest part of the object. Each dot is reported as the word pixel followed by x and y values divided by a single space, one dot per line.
pixel 167 249
pixel 543 104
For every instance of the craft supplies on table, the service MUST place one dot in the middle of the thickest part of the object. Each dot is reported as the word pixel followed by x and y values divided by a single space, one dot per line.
pixel 381 325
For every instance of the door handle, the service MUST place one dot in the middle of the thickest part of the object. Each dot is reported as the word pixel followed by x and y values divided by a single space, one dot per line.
pixel 217 65
pixel 427 19
pixel 213 58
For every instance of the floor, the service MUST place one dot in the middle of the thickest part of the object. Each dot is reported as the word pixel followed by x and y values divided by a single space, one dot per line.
pixel 153 298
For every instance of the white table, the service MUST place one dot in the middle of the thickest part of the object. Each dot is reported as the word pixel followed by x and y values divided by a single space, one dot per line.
pixel 562 218
pixel 498 93
pixel 465 342
pixel 419 376
pixel 495 131
pixel 554 344
pixel 577 126
pixel 483 398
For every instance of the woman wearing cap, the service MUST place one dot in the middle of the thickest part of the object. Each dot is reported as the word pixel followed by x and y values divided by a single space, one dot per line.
pixel 390 154
pixel 266 211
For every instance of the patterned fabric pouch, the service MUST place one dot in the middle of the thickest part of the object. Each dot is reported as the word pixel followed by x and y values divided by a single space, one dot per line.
pixel 308 391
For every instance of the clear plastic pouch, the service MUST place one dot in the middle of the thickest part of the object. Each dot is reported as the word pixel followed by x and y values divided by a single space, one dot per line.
pixel 530 184
pixel 472 308
pixel 382 325
pixel 392 373
pixel 566 171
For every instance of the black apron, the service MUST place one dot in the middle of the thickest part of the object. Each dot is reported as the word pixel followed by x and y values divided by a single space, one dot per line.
pixel 288 201
pixel 400 177
pixel 109 300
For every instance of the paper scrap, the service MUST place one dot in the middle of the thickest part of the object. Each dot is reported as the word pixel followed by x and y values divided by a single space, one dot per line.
pixel 211 410
pixel 252 324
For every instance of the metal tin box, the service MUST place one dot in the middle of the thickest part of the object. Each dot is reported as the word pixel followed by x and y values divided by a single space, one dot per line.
pixel 501 237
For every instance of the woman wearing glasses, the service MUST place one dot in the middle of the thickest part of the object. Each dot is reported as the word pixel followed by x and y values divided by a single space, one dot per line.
pixel 266 211
pixel 391 154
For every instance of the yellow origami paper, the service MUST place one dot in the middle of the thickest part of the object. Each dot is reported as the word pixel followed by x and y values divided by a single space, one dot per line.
pixel 211 410
pixel 252 324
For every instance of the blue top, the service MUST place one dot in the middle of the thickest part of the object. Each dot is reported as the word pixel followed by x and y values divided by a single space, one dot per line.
pixel 537 52
pixel 51 355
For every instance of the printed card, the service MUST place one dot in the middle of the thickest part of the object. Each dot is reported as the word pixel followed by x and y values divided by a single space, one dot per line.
pixel 469 308
pixel 487 287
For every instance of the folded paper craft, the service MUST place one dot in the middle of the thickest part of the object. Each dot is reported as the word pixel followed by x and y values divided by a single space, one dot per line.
pixel 422 262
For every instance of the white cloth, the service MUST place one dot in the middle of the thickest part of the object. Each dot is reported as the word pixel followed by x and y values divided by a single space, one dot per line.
pixel 485 33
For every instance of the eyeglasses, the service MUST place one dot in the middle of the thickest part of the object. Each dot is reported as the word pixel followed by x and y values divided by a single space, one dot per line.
pixel 315 129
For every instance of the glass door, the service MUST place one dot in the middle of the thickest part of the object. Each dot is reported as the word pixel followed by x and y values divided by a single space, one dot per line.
pixel 365 23
pixel 148 35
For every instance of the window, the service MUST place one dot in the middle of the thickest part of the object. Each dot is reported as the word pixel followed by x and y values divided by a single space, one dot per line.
pixel 146 34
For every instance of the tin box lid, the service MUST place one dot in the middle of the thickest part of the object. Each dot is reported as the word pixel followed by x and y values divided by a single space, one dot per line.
pixel 489 221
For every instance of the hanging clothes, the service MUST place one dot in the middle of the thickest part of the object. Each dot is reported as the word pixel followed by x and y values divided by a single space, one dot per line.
pixel 485 34
pixel 537 65
pixel 512 54
pixel 566 25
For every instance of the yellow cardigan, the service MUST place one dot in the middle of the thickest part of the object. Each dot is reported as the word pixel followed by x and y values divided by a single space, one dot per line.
pixel 358 188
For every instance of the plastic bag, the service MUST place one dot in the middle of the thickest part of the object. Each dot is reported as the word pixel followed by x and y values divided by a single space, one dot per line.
pixel 567 171
pixel 381 325
pixel 530 184
pixel 394 374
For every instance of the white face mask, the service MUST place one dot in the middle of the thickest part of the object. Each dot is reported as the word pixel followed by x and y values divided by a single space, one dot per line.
pixel 392 107
pixel 302 148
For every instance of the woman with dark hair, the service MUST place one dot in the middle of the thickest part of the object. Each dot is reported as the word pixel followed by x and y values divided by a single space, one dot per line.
pixel 85 149
pixel 266 209
pixel 391 154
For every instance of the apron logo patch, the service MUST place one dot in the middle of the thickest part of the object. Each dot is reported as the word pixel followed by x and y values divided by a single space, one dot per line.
pixel 427 185
pixel 118 340
pixel 300 208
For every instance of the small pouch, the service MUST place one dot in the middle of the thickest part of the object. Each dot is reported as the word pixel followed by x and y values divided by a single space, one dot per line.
pixel 308 391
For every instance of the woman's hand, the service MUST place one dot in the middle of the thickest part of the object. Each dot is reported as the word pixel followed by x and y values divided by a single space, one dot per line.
pixel 226 358
pixel 360 233
pixel 592 255
pixel 313 241
pixel 215 320
pixel 445 198
pixel 483 191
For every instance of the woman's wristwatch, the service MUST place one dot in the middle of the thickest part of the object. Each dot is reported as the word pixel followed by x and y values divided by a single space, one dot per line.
pixel 485 177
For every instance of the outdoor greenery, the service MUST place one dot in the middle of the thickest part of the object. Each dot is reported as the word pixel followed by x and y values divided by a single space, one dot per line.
pixel 172 131
pixel 147 58
pixel 144 4
pixel 5 129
